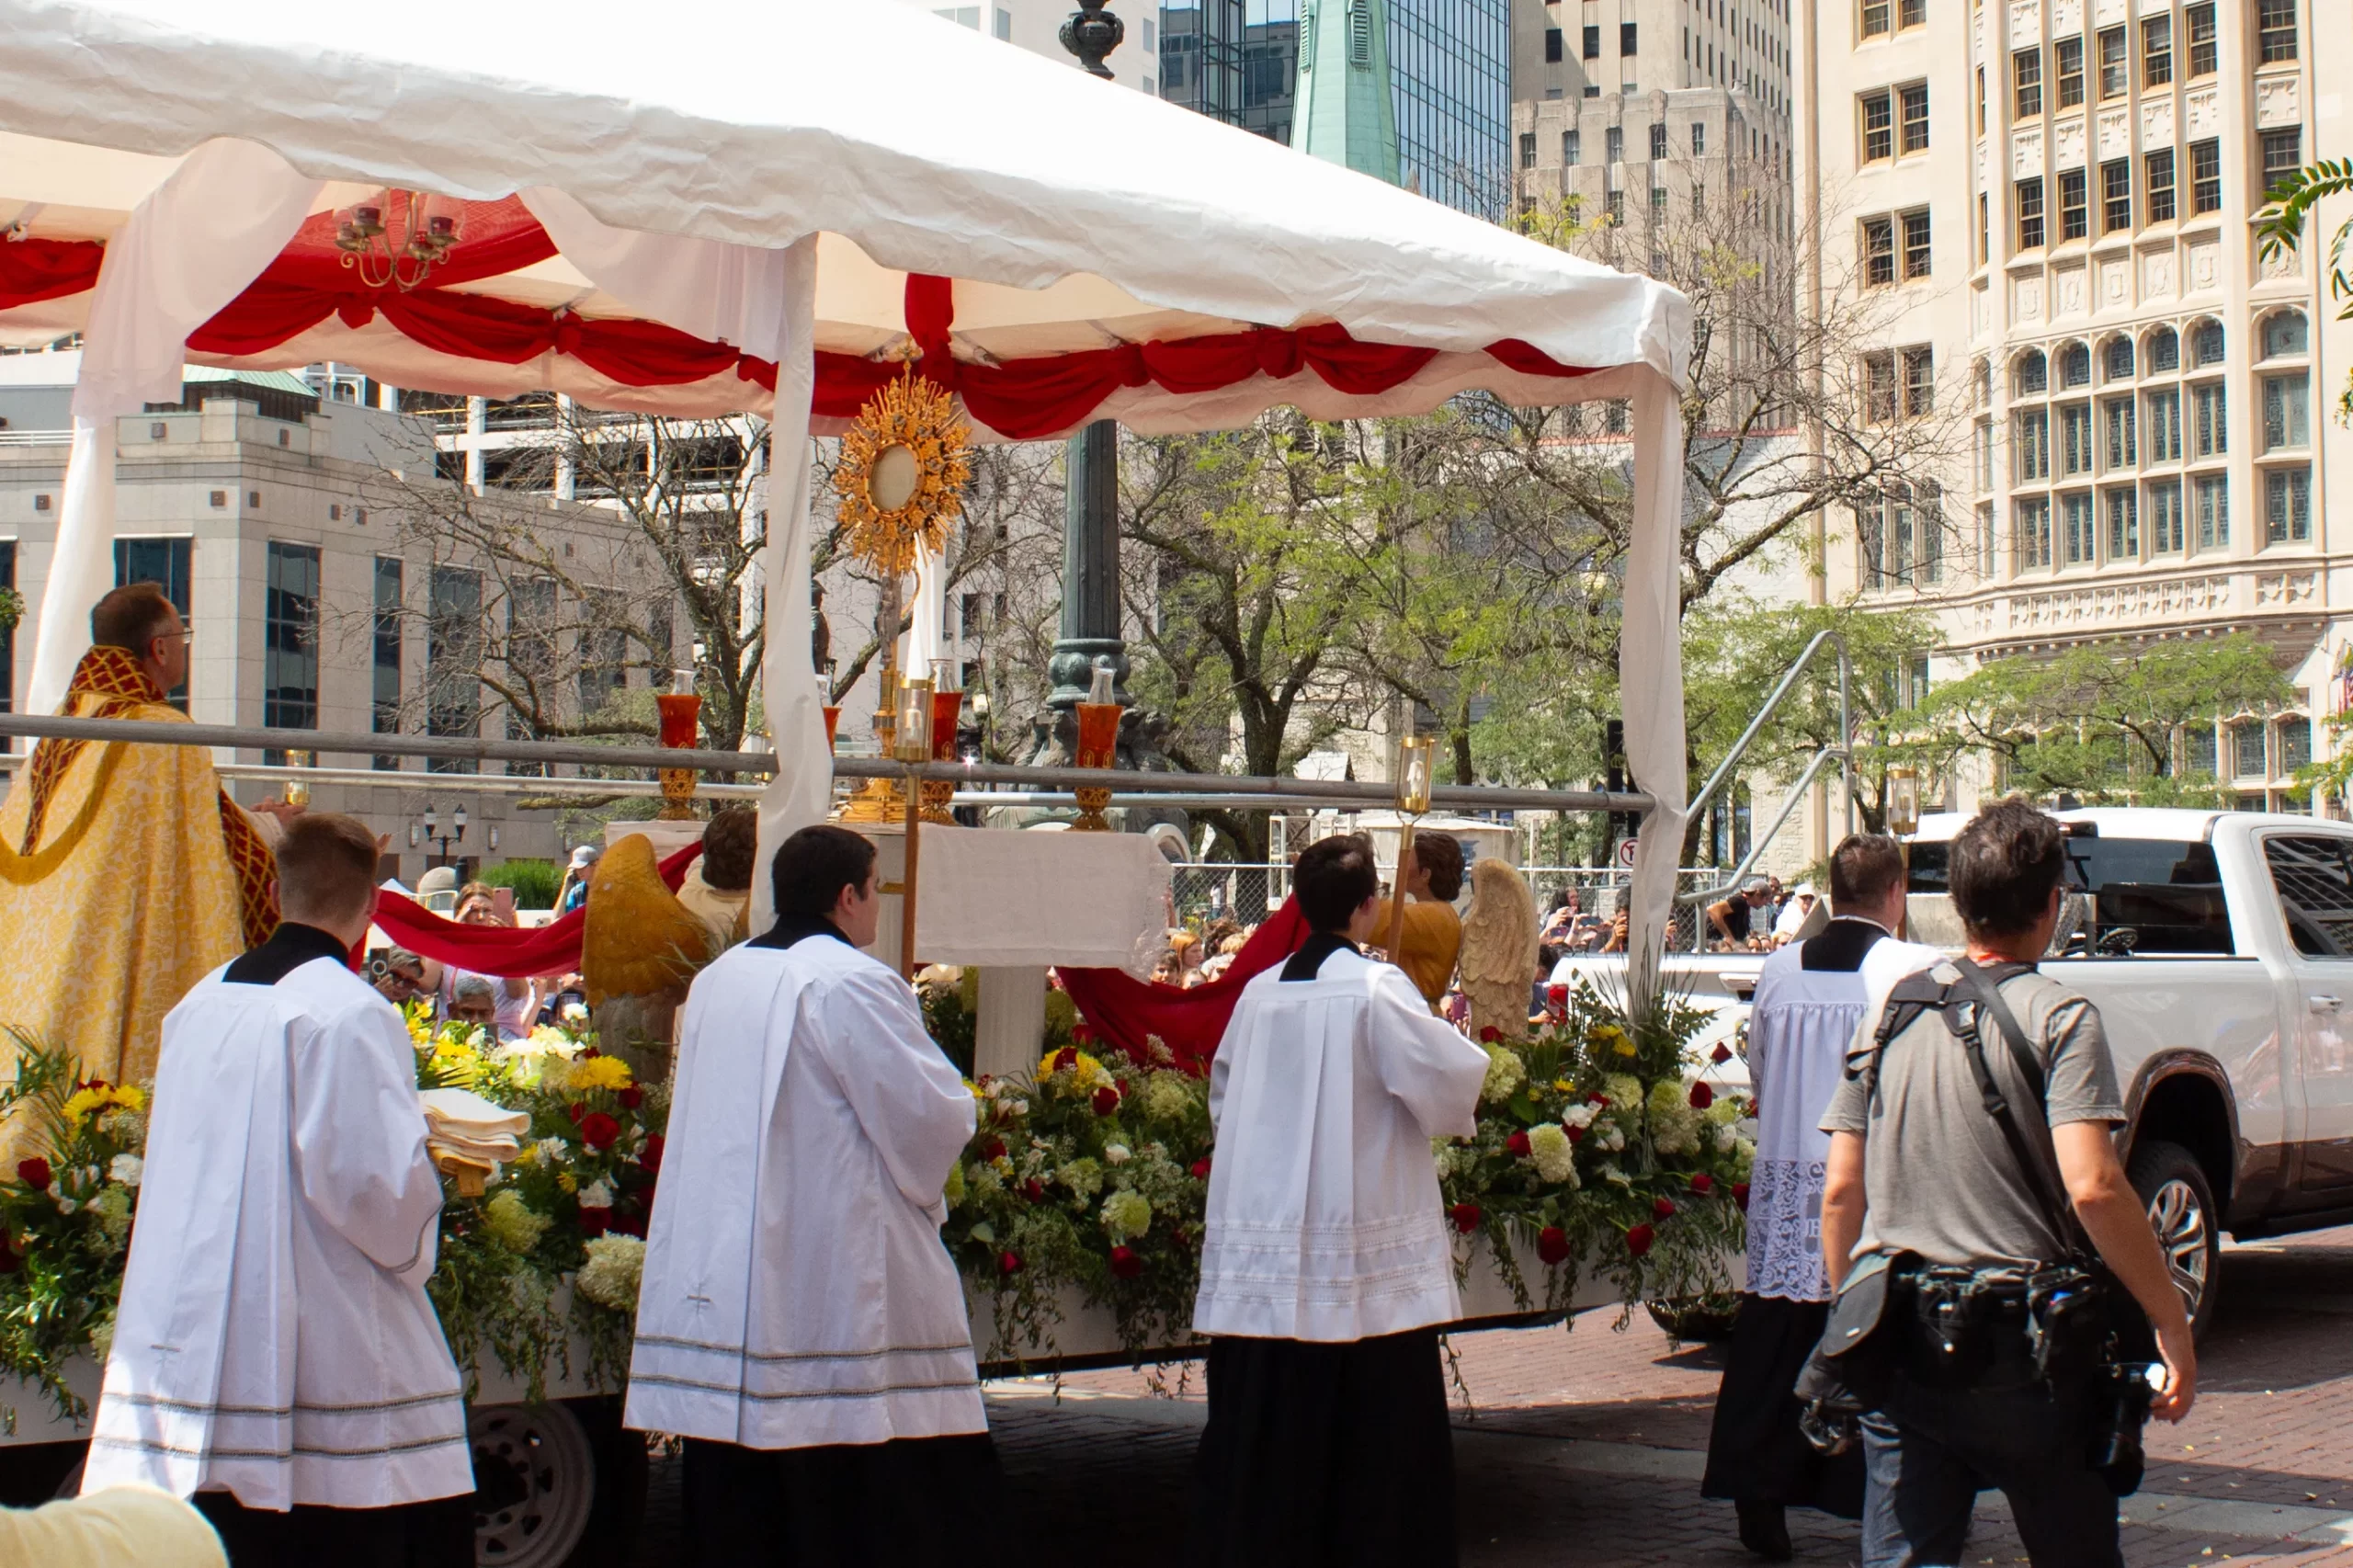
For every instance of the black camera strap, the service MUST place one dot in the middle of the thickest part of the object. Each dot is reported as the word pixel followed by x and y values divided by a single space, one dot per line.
pixel 2036 1160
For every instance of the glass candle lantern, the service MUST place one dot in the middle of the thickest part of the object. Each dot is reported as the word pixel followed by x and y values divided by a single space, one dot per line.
pixel 911 731
pixel 680 714
pixel 1415 760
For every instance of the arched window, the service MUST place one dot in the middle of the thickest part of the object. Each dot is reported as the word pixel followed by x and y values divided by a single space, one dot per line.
pixel 2164 350
pixel 2206 345
pixel 2295 744
pixel 2033 372
pixel 2074 366
pixel 2283 334
pixel 2119 359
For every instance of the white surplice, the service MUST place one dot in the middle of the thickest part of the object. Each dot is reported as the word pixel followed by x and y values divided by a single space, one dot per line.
pixel 796 1292
pixel 1800 1023
pixel 1325 1221
pixel 274 1337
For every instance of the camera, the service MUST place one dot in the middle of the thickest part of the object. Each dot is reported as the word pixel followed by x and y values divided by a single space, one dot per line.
pixel 2120 1409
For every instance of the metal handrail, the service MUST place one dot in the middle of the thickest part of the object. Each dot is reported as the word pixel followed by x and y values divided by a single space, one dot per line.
pixel 1271 791
pixel 1845 748
pixel 1738 875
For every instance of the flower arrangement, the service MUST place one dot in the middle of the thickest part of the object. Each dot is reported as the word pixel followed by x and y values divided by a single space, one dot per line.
pixel 1593 1155
pixel 66 1216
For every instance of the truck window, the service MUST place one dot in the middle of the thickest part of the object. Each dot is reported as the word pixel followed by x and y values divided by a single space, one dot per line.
pixel 2316 892
pixel 2148 896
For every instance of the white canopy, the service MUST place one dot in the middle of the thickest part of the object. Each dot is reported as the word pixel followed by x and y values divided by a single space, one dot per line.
pixel 674 210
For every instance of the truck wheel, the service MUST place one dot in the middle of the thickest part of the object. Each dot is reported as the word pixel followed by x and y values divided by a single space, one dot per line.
pixel 535 1482
pixel 2181 1211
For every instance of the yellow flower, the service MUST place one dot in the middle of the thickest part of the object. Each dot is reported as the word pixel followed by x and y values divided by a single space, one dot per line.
pixel 83 1103
pixel 598 1073
pixel 567 1181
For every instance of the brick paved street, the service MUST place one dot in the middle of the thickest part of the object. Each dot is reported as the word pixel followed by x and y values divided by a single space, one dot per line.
pixel 1584 1447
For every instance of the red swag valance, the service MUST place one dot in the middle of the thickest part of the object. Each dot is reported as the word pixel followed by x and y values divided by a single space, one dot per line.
pixel 503 950
pixel 1123 1010
pixel 1020 398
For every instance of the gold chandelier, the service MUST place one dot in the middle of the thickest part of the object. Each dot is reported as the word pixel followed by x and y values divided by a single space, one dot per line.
pixel 429 228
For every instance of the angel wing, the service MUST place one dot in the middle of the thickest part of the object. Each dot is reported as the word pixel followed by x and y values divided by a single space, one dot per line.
pixel 640 939
pixel 1499 948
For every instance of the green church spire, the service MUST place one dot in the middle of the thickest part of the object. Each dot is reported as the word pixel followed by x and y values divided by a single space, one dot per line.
pixel 1346 111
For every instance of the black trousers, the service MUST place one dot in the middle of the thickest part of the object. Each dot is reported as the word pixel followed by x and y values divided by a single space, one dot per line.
pixel 1325 1454
pixel 439 1534
pixel 904 1504
pixel 1755 1453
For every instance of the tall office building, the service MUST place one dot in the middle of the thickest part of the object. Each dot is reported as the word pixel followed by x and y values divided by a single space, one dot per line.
pixel 2058 194
pixel 1643 112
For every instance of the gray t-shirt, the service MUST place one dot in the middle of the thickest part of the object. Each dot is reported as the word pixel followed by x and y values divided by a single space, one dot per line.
pixel 1939 1177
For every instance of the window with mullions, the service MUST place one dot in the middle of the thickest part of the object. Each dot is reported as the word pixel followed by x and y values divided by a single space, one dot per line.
pixel 2164 350
pixel 2212 493
pixel 290 698
pixel 2119 354
pixel 2116 196
pixel 2159 167
pixel 2287 411
pixel 1879 18
pixel 2284 336
pixel 2030 445
pixel 1527 149
pixel 1878 126
pixel 2200 753
pixel 1571 145
pixel 2247 758
pixel 2123 524
pixel 2074 367
pixel 2030 527
pixel 1917 250
pixel 2208 420
pixel 2161 421
pixel 2286 506
pixel 2067 66
pixel 2283 153
pixel 2030 208
pixel 1658 144
pixel 2033 372
pixel 1912 104
pixel 453 649
pixel 2275 29
pixel 2025 84
pixel 2206 345
pixel 1613 144
pixel 2156 51
pixel 166 562
pixel 2201 20
pixel 2075 438
pixel 1879 252
pixel 2114 75
pixel 2295 733
pixel 2167 533
pixel 2116 417
pixel 2074 205
pixel 2205 176
pixel 2077 546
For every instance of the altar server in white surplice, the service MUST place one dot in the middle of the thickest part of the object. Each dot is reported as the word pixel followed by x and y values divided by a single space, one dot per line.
pixel 801 1324
pixel 1811 997
pixel 1326 1265
pixel 275 1359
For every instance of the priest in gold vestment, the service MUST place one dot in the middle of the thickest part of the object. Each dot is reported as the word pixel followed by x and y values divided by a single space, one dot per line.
pixel 127 874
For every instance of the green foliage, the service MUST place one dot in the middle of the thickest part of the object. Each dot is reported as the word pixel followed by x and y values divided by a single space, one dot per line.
pixel 2097 720
pixel 2279 228
pixel 951 1008
pixel 12 609
pixel 534 882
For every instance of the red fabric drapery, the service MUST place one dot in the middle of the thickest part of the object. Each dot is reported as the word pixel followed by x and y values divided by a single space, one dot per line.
pixel 1123 1010
pixel 1018 398
pixel 505 951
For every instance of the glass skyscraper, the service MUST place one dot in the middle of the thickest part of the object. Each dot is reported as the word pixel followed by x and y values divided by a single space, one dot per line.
pixel 1451 67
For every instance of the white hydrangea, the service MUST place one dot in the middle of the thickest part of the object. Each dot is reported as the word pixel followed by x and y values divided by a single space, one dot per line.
pixel 127 1169
pixel 1506 1074
pixel 616 1265
pixel 1556 1157
pixel 596 1195
pixel 1115 1155
pixel 1580 1115
pixel 1726 1139
pixel 1126 1214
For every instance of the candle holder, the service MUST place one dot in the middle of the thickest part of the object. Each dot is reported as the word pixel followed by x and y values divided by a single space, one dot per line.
pixel 1415 760
pixel 912 747
pixel 298 790
pixel 833 726
pixel 1098 746
pixel 680 714
pixel 947 705
pixel 878 800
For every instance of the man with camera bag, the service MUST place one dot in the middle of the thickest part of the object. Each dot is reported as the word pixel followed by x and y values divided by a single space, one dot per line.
pixel 1971 1147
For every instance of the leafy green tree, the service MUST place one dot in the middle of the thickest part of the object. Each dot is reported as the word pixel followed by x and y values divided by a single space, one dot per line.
pixel 2097 721
pixel 2279 230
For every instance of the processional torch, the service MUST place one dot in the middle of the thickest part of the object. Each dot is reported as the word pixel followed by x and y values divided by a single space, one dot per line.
pixel 911 744
pixel 1415 761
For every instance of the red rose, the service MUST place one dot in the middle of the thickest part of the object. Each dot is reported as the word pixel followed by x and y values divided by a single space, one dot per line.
pixel 1466 1217
pixel 1721 1054
pixel 1082 1033
pixel 650 1157
pixel 1557 994
pixel 1553 1244
pixel 1125 1263
pixel 1066 1059
pixel 1639 1239
pixel 1517 1144
pixel 1702 1097
pixel 1597 1098
pixel 631 1098
pixel 995 1150
pixel 1034 1191
pixel 575 1110
pixel 1702 1183
pixel 1489 1034
pixel 1577 1134
pixel 1008 1263
pixel 98 1084
pixel 1201 1168
pixel 1106 1100
pixel 1740 1195
pixel 599 1131
pixel 595 1221
pixel 591 1054
pixel 1663 1208
pixel 35 1174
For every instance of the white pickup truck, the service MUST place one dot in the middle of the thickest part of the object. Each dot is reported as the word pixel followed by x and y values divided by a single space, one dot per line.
pixel 2219 949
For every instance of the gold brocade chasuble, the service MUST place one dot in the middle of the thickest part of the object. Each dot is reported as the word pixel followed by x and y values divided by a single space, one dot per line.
pixel 126 876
